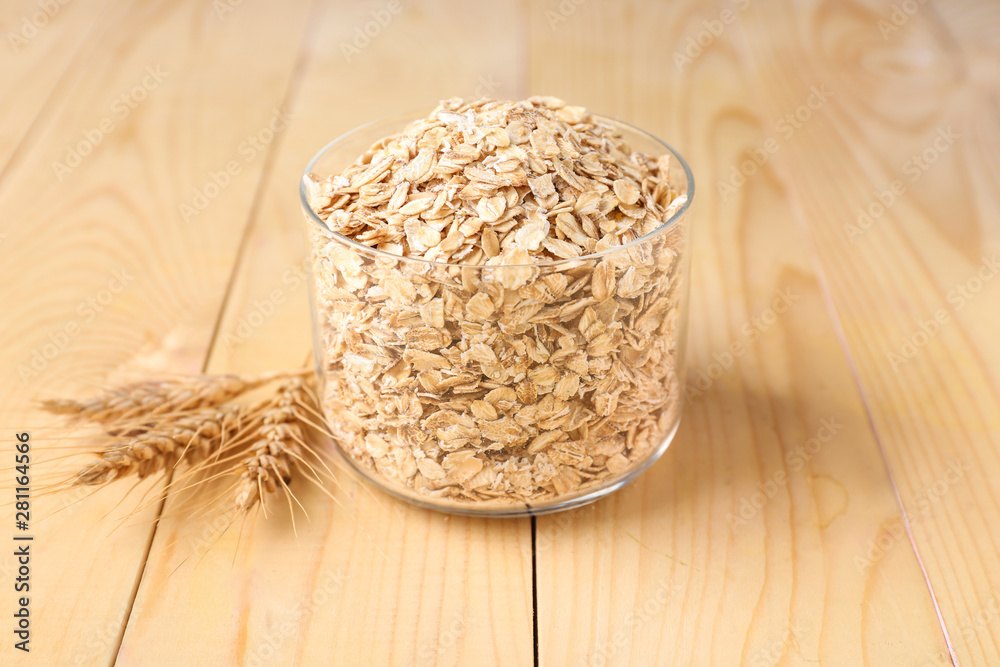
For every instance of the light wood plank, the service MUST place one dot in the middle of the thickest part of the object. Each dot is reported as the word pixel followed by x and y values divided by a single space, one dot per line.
pixel 118 212
pixel 903 87
pixel 682 568
pixel 822 572
pixel 39 43
pixel 370 581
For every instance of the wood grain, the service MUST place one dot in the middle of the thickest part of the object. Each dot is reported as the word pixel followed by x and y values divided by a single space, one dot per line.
pixel 38 48
pixel 829 497
pixel 914 292
pixel 739 547
pixel 110 231
pixel 367 580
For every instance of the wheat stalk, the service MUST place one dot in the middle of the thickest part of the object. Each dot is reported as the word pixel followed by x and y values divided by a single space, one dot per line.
pixel 205 424
pixel 274 453
pixel 190 438
pixel 118 407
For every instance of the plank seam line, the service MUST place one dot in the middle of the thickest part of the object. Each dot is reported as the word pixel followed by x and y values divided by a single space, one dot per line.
pixel 521 86
pixel 46 109
pixel 294 85
pixel 534 593
pixel 838 328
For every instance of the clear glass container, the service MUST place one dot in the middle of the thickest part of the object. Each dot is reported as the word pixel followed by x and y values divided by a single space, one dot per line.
pixel 500 390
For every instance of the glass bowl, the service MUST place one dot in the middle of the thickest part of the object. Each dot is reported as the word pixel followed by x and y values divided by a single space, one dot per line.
pixel 499 390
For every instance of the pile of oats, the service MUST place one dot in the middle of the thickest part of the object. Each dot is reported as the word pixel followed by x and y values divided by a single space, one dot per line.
pixel 508 363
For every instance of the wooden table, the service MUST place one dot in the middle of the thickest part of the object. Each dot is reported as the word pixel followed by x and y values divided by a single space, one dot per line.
pixel 832 494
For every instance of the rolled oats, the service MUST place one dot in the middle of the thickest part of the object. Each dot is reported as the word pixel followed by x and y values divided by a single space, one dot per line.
pixel 482 356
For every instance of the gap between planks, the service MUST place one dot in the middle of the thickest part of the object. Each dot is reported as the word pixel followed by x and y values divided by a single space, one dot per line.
pixel 841 335
pixel 534 594
pixel 834 315
pixel 294 83
pixel 45 109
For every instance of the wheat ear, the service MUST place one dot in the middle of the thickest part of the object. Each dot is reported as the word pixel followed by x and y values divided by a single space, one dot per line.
pixel 272 456
pixel 192 438
pixel 139 401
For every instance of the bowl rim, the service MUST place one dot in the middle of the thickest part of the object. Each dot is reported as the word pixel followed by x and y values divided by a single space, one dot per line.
pixel 573 261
